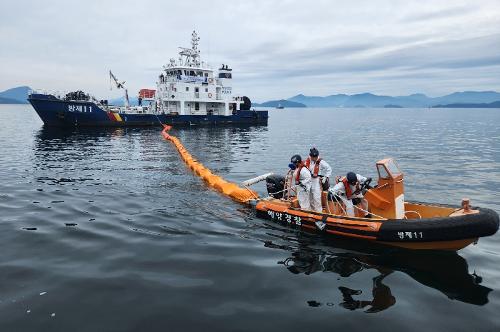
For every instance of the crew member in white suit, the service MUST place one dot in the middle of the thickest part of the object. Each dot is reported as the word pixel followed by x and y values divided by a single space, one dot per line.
pixel 320 178
pixel 349 191
pixel 302 178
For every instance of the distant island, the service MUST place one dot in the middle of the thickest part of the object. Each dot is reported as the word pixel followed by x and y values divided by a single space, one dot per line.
pixel 495 104
pixel 477 98
pixel 17 95
pixel 282 102
pixel 10 101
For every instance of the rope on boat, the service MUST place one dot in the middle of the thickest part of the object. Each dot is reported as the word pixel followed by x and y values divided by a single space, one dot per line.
pixel 366 212
pixel 242 195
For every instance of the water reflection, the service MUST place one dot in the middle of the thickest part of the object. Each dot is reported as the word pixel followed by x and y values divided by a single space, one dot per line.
pixel 206 140
pixel 222 144
pixel 446 272
pixel 46 133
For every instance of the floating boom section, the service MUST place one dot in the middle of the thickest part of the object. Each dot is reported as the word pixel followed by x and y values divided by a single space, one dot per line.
pixel 242 195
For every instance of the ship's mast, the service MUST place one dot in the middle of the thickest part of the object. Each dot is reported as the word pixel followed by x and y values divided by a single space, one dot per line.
pixel 120 85
pixel 191 56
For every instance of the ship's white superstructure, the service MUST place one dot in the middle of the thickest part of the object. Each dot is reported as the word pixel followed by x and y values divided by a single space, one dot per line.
pixel 189 86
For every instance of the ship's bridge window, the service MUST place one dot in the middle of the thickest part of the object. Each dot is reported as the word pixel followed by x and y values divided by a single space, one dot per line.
pixel 206 74
pixel 225 75
pixel 187 88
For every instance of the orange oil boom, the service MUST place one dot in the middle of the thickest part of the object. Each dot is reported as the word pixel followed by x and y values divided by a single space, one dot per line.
pixel 230 189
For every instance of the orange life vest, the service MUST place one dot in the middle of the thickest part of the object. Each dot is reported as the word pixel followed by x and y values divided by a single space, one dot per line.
pixel 297 177
pixel 315 172
pixel 347 186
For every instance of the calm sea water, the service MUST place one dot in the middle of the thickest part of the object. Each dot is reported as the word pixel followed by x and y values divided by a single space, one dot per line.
pixel 107 230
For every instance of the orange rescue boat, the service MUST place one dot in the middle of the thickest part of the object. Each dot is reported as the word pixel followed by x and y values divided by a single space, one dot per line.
pixel 394 221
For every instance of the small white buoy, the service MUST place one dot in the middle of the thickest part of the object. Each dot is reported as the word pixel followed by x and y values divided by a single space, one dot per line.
pixel 28 311
pixel 53 314
pixel 43 293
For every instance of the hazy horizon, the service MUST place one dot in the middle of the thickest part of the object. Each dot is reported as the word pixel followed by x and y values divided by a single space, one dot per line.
pixel 277 49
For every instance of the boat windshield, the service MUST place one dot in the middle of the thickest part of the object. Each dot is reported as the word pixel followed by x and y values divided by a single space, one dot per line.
pixel 382 173
pixel 393 168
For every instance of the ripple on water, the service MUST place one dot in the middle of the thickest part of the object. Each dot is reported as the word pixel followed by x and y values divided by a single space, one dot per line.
pixel 119 235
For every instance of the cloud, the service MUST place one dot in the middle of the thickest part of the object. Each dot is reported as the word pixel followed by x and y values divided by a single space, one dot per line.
pixel 441 14
pixel 276 48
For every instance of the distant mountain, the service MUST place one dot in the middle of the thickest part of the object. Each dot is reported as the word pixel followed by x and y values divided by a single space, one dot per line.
pixel 19 95
pixel 469 97
pixel 414 100
pixel 315 101
pixel 495 104
pixel 9 101
pixel 369 99
pixel 282 102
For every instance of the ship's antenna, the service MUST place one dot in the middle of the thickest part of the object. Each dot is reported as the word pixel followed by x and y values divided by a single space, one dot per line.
pixel 194 40
pixel 194 46
pixel 209 53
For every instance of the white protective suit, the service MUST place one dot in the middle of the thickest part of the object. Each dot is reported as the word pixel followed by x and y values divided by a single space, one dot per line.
pixel 339 190
pixel 303 188
pixel 325 171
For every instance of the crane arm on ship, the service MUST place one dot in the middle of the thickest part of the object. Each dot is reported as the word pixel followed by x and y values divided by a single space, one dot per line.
pixel 120 85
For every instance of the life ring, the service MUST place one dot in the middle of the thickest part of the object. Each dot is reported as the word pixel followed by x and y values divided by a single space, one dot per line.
pixel 210 80
pixel 209 95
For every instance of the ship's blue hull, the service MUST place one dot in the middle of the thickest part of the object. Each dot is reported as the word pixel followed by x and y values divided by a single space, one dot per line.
pixel 56 112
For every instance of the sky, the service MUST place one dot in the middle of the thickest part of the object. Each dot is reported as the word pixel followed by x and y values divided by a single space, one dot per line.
pixel 277 48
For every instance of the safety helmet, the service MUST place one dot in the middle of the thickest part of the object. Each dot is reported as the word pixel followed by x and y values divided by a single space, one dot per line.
pixel 296 159
pixel 352 178
pixel 313 152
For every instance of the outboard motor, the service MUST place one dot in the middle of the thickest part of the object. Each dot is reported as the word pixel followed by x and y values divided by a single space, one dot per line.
pixel 275 185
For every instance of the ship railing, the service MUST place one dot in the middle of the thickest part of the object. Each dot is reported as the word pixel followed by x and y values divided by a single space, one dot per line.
pixel 65 95
pixel 55 93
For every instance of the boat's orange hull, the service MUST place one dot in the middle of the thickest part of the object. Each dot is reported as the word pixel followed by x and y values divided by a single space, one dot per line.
pixel 440 233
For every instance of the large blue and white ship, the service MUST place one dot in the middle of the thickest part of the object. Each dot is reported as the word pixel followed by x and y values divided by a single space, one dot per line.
pixel 188 92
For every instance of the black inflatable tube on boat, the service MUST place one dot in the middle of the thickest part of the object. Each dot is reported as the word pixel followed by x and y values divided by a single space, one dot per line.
pixel 468 226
